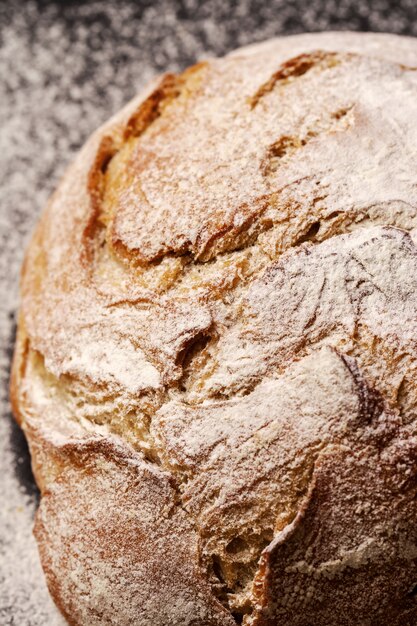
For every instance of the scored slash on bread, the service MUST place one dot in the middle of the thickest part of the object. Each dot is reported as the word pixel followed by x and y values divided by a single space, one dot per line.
pixel 216 354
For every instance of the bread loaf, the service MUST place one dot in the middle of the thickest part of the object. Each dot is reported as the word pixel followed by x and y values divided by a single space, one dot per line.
pixel 216 358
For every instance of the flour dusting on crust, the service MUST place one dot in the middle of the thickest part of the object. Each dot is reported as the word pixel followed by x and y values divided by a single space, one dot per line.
pixel 216 357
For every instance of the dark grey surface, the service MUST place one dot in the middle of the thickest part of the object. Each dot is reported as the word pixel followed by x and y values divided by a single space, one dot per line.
pixel 64 68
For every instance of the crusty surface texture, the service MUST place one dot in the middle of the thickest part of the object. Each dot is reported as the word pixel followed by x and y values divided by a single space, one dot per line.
pixel 216 357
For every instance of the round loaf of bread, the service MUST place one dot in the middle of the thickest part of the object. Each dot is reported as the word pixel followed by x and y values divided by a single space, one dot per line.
pixel 216 357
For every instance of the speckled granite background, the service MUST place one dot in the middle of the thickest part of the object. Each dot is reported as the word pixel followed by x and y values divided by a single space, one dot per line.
pixel 64 68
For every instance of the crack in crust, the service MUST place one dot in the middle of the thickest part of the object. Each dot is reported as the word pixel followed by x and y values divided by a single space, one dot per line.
pixel 193 186
pixel 210 292
pixel 294 68
pixel 201 444
pixel 286 146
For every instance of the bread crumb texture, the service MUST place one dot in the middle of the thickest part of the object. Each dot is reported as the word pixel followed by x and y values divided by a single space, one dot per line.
pixel 217 349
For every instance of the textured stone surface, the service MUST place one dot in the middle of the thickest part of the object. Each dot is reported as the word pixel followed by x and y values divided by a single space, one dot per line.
pixel 65 68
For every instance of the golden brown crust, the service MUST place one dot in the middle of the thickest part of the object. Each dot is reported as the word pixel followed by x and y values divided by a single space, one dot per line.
pixel 216 356
pixel 120 523
pixel 357 527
